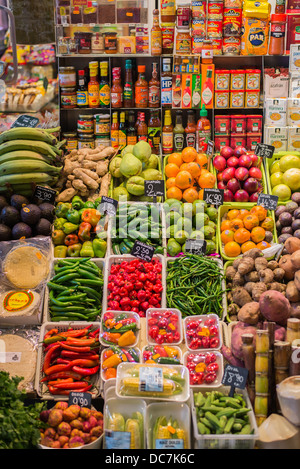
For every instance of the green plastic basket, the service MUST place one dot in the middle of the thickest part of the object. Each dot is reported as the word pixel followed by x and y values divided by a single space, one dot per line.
pixel 224 209
pixel 269 162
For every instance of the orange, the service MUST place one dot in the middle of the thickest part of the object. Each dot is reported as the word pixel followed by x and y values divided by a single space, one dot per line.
pixel 171 170
pixel 242 235
pixel 227 236
pixel 190 194
pixel 206 180
pixel 175 158
pixel 183 167
pixel 174 193
pixel 263 245
pixel 194 169
pixel 170 182
pixel 232 249
pixel 225 225
pixel 257 234
pixel 183 180
pixel 259 211
pixel 202 160
pixel 201 194
pixel 267 224
pixel 250 221
pixel 247 246
pixel 189 154
pixel 243 213
pixel 234 213
pixel 236 223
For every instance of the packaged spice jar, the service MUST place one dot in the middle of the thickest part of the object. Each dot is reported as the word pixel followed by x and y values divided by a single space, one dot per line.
pixel 222 99
pixel 222 80
pixel 83 42
pixel 237 99
pixel 237 81
pixel 102 125
pixel 231 45
pixel 252 98
pixel 277 34
pixel 222 125
pixel 67 77
pixel 238 124
pixel 68 98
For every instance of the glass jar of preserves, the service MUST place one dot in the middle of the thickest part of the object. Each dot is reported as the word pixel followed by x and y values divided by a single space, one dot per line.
pixel 68 98
pixel 86 141
pixel 102 125
pixel 85 124
pixel 83 42
pixel 67 77
pixel 97 43
pixel 110 41
pixel 63 46
pixel 71 140
pixel 102 141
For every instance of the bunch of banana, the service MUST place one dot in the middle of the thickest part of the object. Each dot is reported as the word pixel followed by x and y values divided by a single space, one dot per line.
pixel 29 156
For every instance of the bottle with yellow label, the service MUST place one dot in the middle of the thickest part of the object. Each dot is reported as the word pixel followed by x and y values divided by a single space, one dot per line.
pixel 93 85
pixel 167 133
pixel 104 88
pixel 114 132
pixel 122 131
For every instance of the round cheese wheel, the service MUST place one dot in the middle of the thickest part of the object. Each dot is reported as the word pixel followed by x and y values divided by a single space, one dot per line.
pixel 26 267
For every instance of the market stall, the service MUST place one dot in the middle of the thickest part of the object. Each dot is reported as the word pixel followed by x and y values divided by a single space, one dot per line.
pixel 150 236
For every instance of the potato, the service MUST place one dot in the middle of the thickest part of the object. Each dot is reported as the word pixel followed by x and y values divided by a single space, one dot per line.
pixel 246 266
pixel 292 293
pixel 295 260
pixel 297 279
pixel 285 263
pixel 249 313
pixel 292 244
pixel 241 296
pixel 274 306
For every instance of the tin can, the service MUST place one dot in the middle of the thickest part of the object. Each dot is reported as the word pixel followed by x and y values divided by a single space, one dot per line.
pixel 214 28
pixel 222 99
pixel 221 141
pixel 252 79
pixel 237 99
pixel 232 22
pixel 222 125
pixel 252 140
pixel 254 123
pixel 231 45
pixel 238 140
pixel 217 46
pixel 237 81
pixel 238 124
pixel 215 10
pixel 252 98
pixel 222 80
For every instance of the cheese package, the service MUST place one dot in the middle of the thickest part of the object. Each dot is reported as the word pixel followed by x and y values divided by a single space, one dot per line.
pixel 293 143
pixel 293 112
pixel 275 112
pixel 277 137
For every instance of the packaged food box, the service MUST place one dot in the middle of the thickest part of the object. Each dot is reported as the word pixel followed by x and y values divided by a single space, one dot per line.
pixel 294 88
pixel 277 137
pixel 294 62
pixel 112 356
pixel 293 112
pixel 275 112
pixel 293 142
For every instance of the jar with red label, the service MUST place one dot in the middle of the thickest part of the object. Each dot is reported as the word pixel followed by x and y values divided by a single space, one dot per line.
pixel 167 31
pixel 277 34
pixel 237 80
pixel 183 16
pixel 222 125
pixel 68 98
pixel 254 123
pixel 84 42
pixel 238 124
pixel 252 140
pixel 221 141
pixel 222 80
pixel 232 22
pixel 252 79
pixel 222 99
pixel 238 140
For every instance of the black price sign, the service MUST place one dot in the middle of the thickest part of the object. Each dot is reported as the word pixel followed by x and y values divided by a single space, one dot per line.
pixel 210 148
pixel 44 193
pixel 213 196
pixel 264 150
pixel 26 121
pixel 235 377
pixel 155 188
pixel 196 246
pixel 143 251
pixel 108 205
pixel 267 201
pixel 83 399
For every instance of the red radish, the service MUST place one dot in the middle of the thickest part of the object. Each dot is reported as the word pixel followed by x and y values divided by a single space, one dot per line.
pixel 233 162
pixel 253 197
pixel 228 195
pixel 241 196
pixel 233 185
pixel 250 185
pixel 239 151
pixel 241 173
pixel 219 163
pixel 228 173
pixel 245 161
pixel 255 173
pixel 221 185
pixel 254 159
pixel 226 151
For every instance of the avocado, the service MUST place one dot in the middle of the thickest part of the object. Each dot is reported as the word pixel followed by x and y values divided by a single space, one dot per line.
pixel 47 211
pixel 10 216
pixel 3 202
pixel 21 230
pixel 5 232
pixel 31 214
pixel 43 227
pixel 18 201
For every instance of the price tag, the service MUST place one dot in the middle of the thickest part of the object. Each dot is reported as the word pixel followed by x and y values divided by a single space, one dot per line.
pixel 210 148
pixel 151 379
pixel 154 189
pixel 142 250
pixel 169 444
pixel 25 121
pixel 213 196
pixel 44 193
pixel 117 440
pixel 264 150
pixel 267 201
pixel 108 205
pixel 235 377
pixel 196 246
pixel 83 399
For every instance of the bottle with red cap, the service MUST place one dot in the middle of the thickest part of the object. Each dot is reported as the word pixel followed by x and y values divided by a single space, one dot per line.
pixel 277 34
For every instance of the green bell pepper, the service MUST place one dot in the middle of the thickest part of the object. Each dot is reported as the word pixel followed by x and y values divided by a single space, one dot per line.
pixel 87 249
pixel 99 247
pixel 61 209
pixel 60 251
pixel 74 250
pixel 77 202
pixel 73 216
pixel 59 223
pixel 58 237
pixel 69 227
pixel 88 204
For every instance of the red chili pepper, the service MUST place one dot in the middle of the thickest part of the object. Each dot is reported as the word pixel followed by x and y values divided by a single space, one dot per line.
pixel 62 361
pixel 74 385
pixel 49 356
pixel 74 348
pixel 62 374
pixel 86 371
pixel 81 342
pixel 84 363
pixel 65 380
pixel 50 333
pixel 75 355
pixel 57 368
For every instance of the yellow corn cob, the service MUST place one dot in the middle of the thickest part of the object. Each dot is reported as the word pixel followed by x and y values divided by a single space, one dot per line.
pixel 163 433
pixel 182 436
pixel 133 428
pixel 116 422
pixel 131 386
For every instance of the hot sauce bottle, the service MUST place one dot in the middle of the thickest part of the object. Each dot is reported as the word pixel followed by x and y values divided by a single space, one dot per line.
pixel 128 99
pixel 114 132
pixel 167 133
pixel 93 85
pixel 131 137
pixel 154 131
pixel 142 129
pixel 154 87
pixel 116 89
pixel 190 130
pixel 141 88
pixel 156 35
pixel 104 88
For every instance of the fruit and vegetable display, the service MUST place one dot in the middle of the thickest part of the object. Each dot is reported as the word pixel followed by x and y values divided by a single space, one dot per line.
pixel 169 429
pixel 71 361
pixel 67 426
pixel 134 165
pixel 135 285
pixel 164 326
pixel 187 174
pixel 284 175
pixel 287 218
pixel 164 354
pixel 120 329
pixel 239 174
pixel 242 229
pixel 142 222
pixel 185 221
pixel 112 356
pixel 133 425
pixel 75 290
pixel 79 229
pixel 204 368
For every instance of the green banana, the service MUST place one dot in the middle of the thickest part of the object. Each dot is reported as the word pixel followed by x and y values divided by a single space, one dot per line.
pixel 27 133
pixel 27 166
pixel 29 145
pixel 27 178
pixel 25 155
